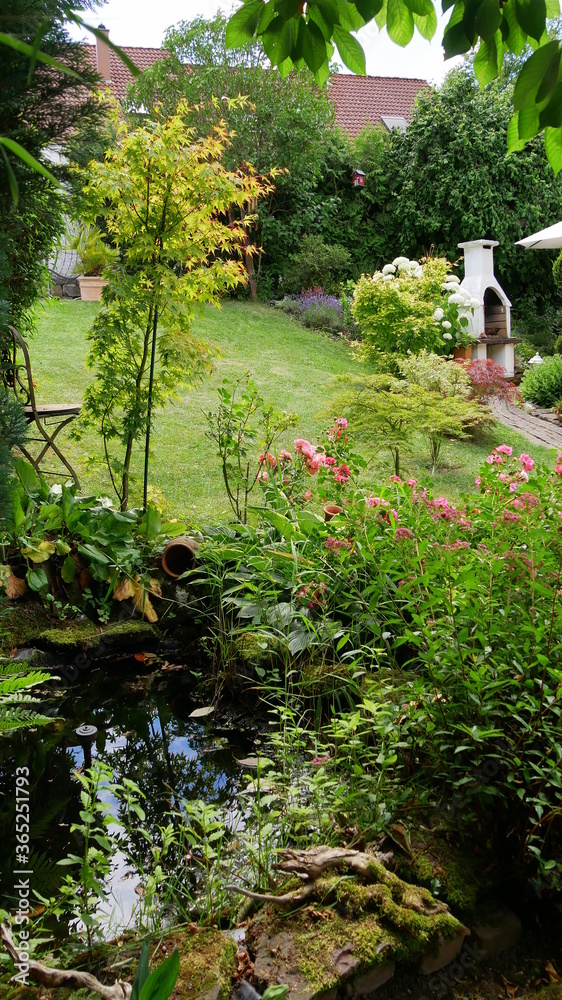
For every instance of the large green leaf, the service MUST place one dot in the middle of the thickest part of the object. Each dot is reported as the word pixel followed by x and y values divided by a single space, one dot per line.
pixel 553 147
pixel 242 25
pixel 487 60
pixel 350 50
pixel 426 24
pixel 531 15
pixel 142 972
pixel 313 46
pixel 533 73
pixel 487 19
pixel 514 143
pixel 161 982
pixel 399 22
pixel 68 570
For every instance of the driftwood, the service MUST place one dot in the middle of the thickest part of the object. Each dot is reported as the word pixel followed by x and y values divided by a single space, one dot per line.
pixel 69 978
pixel 310 865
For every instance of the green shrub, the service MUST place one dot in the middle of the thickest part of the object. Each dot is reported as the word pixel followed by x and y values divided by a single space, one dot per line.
pixel 411 307
pixel 316 264
pixel 542 384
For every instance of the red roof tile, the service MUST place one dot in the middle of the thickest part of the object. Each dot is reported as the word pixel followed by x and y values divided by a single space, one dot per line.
pixel 120 76
pixel 362 99
pixel 357 99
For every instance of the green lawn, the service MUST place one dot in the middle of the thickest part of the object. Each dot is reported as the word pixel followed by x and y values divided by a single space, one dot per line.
pixel 292 367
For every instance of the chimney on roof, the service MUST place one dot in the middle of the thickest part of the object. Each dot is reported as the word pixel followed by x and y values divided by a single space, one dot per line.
pixel 102 55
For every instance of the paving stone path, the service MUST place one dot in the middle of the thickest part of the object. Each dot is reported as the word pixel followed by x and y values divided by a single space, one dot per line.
pixel 539 426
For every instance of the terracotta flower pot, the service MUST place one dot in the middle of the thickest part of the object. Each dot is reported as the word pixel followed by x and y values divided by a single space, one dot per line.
pixel 90 287
pixel 179 556
pixel 464 353
pixel 330 511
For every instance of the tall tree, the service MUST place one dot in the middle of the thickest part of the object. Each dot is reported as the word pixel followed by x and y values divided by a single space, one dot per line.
pixel 286 123
pixel 40 107
pixel 454 180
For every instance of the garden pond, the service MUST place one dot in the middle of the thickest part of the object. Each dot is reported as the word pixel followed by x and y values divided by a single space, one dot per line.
pixel 143 731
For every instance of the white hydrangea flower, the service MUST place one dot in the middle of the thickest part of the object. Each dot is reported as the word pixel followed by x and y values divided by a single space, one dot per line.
pixel 446 325
pixel 447 336
pixel 389 269
pixel 418 273
pixel 457 300
pixel 438 315
pixel 388 277
pixel 474 303
pixel 400 261
pixel 377 276
pixel 453 279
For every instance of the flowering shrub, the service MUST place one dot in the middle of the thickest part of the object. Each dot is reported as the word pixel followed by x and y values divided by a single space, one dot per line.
pixel 316 310
pixel 413 306
pixel 457 607
pixel 542 384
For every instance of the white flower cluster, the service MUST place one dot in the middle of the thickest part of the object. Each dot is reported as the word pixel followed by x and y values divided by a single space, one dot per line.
pixel 456 296
pixel 400 265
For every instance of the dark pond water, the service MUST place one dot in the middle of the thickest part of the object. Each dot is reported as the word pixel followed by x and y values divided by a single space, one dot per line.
pixel 144 733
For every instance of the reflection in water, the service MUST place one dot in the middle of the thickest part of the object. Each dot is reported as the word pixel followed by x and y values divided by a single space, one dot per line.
pixel 145 734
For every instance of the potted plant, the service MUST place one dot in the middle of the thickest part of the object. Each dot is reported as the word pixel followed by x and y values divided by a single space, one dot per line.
pixel 93 257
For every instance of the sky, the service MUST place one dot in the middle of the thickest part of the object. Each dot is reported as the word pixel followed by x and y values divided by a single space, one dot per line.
pixel 144 22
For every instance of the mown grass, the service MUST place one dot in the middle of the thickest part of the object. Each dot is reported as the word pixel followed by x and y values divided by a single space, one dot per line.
pixel 293 368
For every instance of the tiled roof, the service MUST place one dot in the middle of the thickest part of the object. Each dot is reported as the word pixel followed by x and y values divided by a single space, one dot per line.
pixel 362 99
pixel 120 75
pixel 357 99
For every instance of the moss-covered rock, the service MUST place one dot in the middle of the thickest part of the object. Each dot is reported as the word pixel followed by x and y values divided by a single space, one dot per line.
pixel 21 624
pixel 70 638
pixel 450 872
pixel 373 922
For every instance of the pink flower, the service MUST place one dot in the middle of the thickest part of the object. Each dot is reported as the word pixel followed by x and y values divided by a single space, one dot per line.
pixel 376 502
pixel 263 475
pixel 268 460
pixel 285 456
pixel 328 460
pixel 503 476
pixel 341 422
pixel 315 461
pixel 504 449
pixel 489 459
pixel 305 448
pixel 478 481
pixel 558 469
pixel 342 474
pixel 524 476
pixel 411 482
pixel 527 462
pixel 318 761
pixel 307 494
pixel 513 487
pixel 396 479
pixel 404 533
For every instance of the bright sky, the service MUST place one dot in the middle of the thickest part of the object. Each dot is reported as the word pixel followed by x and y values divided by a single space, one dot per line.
pixel 143 22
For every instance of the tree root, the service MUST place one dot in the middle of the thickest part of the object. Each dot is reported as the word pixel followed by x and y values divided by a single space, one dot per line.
pixel 69 978
pixel 310 865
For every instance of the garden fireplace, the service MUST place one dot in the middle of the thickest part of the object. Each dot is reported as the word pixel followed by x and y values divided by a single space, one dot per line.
pixel 491 319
